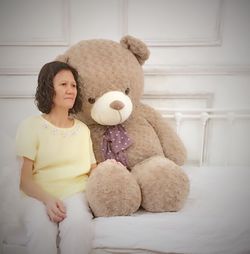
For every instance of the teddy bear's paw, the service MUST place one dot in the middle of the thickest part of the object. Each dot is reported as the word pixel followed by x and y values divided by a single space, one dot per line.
pixel 164 185
pixel 113 191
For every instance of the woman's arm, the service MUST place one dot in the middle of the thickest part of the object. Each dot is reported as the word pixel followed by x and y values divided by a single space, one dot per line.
pixel 28 185
pixel 55 207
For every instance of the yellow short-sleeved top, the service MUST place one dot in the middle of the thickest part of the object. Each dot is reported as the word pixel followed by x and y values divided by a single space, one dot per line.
pixel 62 156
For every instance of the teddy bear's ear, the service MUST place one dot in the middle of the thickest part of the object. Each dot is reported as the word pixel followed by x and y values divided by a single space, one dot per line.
pixel 62 58
pixel 137 47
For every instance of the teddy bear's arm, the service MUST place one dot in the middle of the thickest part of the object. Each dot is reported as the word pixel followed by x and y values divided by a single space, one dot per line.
pixel 172 145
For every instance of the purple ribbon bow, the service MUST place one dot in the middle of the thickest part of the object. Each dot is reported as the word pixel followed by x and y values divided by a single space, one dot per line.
pixel 115 142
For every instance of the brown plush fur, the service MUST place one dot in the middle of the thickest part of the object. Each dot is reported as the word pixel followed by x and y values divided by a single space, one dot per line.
pixel 155 179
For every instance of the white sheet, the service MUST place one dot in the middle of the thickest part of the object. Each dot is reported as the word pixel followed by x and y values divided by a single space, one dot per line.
pixel 215 219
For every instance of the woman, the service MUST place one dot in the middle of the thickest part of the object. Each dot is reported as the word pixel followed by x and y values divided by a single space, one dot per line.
pixel 57 158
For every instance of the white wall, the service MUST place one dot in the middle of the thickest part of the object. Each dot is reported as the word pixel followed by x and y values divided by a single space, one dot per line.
pixel 200 58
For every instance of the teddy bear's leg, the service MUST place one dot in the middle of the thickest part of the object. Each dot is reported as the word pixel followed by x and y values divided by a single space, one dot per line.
pixel 164 185
pixel 112 190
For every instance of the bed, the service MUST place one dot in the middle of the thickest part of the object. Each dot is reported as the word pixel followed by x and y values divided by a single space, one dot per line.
pixel 215 218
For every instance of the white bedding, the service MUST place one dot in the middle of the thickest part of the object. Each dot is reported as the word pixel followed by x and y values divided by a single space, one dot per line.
pixel 215 219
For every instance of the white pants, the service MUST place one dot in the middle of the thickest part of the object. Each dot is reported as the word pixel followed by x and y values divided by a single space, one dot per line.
pixel 73 235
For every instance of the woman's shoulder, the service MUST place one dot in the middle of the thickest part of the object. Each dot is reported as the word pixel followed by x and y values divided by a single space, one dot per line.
pixel 31 121
pixel 82 125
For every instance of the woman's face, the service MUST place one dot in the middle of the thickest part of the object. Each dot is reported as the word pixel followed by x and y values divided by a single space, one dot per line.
pixel 65 90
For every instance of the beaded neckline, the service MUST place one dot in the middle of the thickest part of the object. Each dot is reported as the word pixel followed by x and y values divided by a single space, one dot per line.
pixel 58 131
pixel 54 126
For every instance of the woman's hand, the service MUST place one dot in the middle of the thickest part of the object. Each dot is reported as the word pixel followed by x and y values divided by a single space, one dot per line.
pixel 93 166
pixel 55 209
pixel 114 161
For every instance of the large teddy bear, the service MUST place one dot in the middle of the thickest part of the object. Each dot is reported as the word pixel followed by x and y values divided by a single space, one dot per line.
pixel 122 128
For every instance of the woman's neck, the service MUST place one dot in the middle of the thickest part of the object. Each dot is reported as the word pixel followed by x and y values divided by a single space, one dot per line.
pixel 59 118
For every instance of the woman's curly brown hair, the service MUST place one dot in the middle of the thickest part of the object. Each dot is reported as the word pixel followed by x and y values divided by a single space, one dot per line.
pixel 45 90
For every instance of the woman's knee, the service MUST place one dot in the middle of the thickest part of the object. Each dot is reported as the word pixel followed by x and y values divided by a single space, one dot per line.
pixel 77 226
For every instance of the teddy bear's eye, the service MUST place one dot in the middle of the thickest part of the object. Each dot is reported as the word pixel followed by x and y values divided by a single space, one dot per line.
pixel 91 100
pixel 127 91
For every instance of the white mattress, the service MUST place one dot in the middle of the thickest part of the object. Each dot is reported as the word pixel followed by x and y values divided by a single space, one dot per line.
pixel 215 219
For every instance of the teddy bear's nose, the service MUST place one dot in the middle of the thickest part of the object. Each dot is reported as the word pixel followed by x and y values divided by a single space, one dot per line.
pixel 117 105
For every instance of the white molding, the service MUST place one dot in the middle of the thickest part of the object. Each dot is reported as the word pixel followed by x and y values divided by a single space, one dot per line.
pixel 152 70
pixel 207 97
pixel 19 71
pixel 213 70
pixel 60 41
pixel 215 40
pixel 194 111
pixel 16 97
